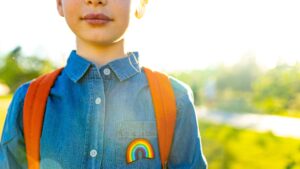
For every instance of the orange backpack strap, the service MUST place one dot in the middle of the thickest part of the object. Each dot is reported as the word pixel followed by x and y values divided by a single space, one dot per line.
pixel 33 115
pixel 36 98
pixel 164 102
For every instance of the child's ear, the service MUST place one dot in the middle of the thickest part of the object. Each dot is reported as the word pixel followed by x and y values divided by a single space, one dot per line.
pixel 59 7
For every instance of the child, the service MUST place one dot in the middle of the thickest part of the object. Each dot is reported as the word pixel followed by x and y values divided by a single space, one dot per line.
pixel 100 104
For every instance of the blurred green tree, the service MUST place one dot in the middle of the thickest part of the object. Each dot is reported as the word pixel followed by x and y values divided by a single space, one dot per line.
pixel 234 85
pixel 278 90
pixel 16 69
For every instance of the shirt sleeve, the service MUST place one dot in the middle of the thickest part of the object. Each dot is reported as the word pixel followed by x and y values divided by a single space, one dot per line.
pixel 186 151
pixel 12 152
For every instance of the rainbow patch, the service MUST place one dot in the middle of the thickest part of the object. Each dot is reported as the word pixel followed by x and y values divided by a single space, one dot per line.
pixel 139 145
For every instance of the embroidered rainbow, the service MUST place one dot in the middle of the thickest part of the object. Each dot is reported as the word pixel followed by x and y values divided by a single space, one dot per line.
pixel 136 146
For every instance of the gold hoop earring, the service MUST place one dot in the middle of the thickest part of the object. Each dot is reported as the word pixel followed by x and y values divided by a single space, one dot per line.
pixel 139 13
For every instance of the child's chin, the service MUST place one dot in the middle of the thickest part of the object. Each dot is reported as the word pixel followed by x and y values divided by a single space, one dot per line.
pixel 104 42
pixel 97 39
pixel 100 37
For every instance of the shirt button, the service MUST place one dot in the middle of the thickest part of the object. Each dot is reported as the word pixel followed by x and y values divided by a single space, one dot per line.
pixel 98 100
pixel 106 71
pixel 93 153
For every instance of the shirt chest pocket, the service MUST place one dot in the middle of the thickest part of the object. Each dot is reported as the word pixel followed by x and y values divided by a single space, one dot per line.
pixel 145 154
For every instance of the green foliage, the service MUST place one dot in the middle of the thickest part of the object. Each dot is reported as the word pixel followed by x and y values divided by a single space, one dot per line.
pixel 238 77
pixel 16 69
pixel 226 88
pixel 244 87
pixel 196 79
pixel 234 101
pixel 278 90
pixel 4 103
pixel 229 148
pixel 234 86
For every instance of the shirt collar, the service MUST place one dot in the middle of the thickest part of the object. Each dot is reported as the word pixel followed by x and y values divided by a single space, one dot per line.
pixel 123 68
pixel 126 67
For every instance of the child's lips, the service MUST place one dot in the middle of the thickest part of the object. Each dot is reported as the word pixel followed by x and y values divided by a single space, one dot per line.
pixel 96 18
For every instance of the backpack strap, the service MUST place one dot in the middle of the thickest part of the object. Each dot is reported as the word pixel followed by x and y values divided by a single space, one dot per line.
pixel 164 102
pixel 33 115
pixel 163 99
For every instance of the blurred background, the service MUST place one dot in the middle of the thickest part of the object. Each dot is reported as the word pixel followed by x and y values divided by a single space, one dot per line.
pixel 240 57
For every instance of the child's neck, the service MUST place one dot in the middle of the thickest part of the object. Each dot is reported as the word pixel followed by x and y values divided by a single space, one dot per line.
pixel 100 55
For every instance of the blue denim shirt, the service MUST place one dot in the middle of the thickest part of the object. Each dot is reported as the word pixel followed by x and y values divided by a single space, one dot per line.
pixel 93 113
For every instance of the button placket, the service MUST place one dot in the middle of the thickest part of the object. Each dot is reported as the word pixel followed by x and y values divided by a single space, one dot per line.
pixel 93 153
pixel 94 147
pixel 106 71
pixel 98 100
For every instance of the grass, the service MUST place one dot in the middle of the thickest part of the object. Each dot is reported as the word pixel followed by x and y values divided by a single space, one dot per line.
pixel 4 103
pixel 228 148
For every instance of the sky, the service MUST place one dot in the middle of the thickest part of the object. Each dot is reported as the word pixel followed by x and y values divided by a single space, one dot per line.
pixel 173 35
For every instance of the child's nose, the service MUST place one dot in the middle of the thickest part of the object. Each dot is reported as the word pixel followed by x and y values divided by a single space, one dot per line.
pixel 96 2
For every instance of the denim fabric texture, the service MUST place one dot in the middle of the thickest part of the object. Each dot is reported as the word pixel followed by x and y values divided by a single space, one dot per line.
pixel 94 112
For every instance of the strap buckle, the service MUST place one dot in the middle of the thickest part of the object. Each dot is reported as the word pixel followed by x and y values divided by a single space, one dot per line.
pixel 165 166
